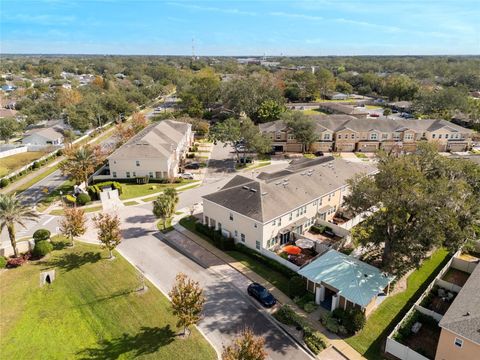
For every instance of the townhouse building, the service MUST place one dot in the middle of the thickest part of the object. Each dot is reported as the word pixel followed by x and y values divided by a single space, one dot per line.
pixel 347 133
pixel 156 152
pixel 265 212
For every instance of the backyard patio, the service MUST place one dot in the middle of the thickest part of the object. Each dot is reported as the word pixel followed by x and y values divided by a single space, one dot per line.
pixel 298 252
pixel 425 340
pixel 456 277
pixel 438 300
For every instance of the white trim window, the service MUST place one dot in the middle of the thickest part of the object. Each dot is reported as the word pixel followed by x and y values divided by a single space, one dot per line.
pixel 326 136
pixel 291 137
pixel 278 136
pixel 409 136
pixel 458 342
pixel 373 136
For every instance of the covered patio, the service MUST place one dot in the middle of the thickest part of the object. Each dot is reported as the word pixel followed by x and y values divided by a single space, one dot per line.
pixel 341 281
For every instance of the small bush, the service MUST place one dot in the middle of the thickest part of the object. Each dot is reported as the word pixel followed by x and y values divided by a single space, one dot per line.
pixel 332 324
pixel 18 261
pixel 83 199
pixel 310 307
pixel 287 316
pixel 41 235
pixel 70 199
pixel 318 229
pixel 314 340
pixel 4 183
pixel 3 262
pixel 59 152
pixel 42 248
pixel 296 286
pixel 190 156
pixel 35 165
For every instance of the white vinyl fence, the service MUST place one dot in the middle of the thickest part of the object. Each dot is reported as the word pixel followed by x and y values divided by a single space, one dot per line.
pixel 9 150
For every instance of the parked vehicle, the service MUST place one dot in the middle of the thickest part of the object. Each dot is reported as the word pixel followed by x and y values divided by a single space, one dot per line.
pixel 375 115
pixel 192 166
pixel 319 153
pixel 187 175
pixel 261 294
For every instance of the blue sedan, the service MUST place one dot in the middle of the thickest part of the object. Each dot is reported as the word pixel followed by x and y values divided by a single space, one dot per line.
pixel 261 294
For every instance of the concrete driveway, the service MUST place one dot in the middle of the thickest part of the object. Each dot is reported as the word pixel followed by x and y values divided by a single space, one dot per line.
pixel 227 310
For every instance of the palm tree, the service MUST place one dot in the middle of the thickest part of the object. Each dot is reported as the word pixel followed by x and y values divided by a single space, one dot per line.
pixel 81 162
pixel 12 212
pixel 164 206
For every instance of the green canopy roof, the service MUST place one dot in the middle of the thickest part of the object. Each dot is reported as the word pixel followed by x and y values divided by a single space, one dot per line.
pixel 355 280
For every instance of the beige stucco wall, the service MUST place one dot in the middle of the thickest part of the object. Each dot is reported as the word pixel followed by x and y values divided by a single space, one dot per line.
pixel 121 166
pixel 447 350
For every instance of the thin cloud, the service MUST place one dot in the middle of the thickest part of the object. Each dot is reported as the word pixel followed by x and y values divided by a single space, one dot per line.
pixel 46 20
pixel 369 25
pixel 296 16
pixel 213 9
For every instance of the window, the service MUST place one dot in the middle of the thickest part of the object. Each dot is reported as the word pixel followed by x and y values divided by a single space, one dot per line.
pixel 242 237
pixel 433 136
pixel 315 203
pixel 291 137
pixel 257 244
pixel 134 174
pixel 114 174
pixel 231 216
pixel 150 174
pixel 384 136
pixel 408 136
pixel 137 163
pixel 255 225
pixel 373 136
pixel 290 216
pixel 279 221
pixel 353 136
pixel 236 233
pixel 446 136
pixel 128 174
pixel 339 136
pixel 274 221
pixel 440 136
pixel 278 136
pixel 458 342
pixel 220 227
pixel 326 137
pixel 268 244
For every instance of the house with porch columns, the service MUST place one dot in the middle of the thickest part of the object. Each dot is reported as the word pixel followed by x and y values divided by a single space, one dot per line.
pixel 342 281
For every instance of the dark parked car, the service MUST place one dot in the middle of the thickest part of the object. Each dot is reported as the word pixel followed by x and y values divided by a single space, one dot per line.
pixel 261 294
pixel 318 153
pixel 374 115
pixel 192 166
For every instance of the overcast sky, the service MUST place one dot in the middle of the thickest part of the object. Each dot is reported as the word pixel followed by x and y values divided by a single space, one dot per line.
pixel 322 27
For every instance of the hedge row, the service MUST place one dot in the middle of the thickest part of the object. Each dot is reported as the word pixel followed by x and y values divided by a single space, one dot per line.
pixel 35 165
pixel 216 237
pixel 95 190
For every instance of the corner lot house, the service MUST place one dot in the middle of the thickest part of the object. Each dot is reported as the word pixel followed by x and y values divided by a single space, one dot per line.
pixel 43 137
pixel 265 212
pixel 341 281
pixel 460 335
pixel 157 152
pixel 347 133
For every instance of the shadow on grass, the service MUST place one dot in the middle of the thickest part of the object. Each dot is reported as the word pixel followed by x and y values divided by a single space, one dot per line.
pixel 147 341
pixel 377 348
pixel 72 261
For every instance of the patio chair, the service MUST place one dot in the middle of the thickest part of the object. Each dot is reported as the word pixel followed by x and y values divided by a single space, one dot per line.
pixel 441 292
pixel 416 327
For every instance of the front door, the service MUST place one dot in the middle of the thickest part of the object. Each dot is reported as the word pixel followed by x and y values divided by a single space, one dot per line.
pixel 284 238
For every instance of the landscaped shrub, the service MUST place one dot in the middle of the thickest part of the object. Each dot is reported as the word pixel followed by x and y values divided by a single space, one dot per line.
pixel 318 229
pixel 332 324
pixel 18 261
pixel 351 319
pixel 59 152
pixel 35 165
pixel 314 340
pixel 83 199
pixel 286 315
pixel 302 300
pixel 310 307
pixel 4 183
pixel 190 156
pixel 296 286
pixel 42 248
pixel 3 262
pixel 41 235
pixel 70 199
pixel 96 189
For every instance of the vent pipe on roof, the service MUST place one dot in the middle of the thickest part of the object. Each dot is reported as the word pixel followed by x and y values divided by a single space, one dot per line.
pixel 245 187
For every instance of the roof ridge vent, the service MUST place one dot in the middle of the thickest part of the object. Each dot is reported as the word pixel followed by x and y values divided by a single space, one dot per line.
pixel 253 190
pixel 245 187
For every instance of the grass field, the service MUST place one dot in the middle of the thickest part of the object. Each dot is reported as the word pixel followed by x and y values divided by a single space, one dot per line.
pixel 131 191
pixel 91 311
pixel 370 339
pixel 11 163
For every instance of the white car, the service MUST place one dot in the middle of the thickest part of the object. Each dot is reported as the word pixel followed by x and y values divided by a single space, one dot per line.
pixel 187 175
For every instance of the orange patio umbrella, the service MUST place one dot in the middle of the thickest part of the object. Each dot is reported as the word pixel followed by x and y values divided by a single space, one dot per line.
pixel 292 250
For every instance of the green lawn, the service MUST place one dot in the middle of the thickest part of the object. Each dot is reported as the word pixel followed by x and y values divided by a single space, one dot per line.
pixel 370 339
pixel 60 212
pixel 136 190
pixel 276 278
pixel 91 311
pixel 14 162
pixel 130 203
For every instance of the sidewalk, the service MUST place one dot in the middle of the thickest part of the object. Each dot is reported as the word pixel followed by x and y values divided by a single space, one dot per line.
pixel 340 345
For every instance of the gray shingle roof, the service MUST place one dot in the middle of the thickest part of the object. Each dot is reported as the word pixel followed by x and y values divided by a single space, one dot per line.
pixel 335 123
pixel 265 200
pixel 47 133
pixel 463 316
pixel 156 140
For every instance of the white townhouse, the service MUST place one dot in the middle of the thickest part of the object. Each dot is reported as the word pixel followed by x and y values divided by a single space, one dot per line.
pixel 156 152
pixel 263 213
